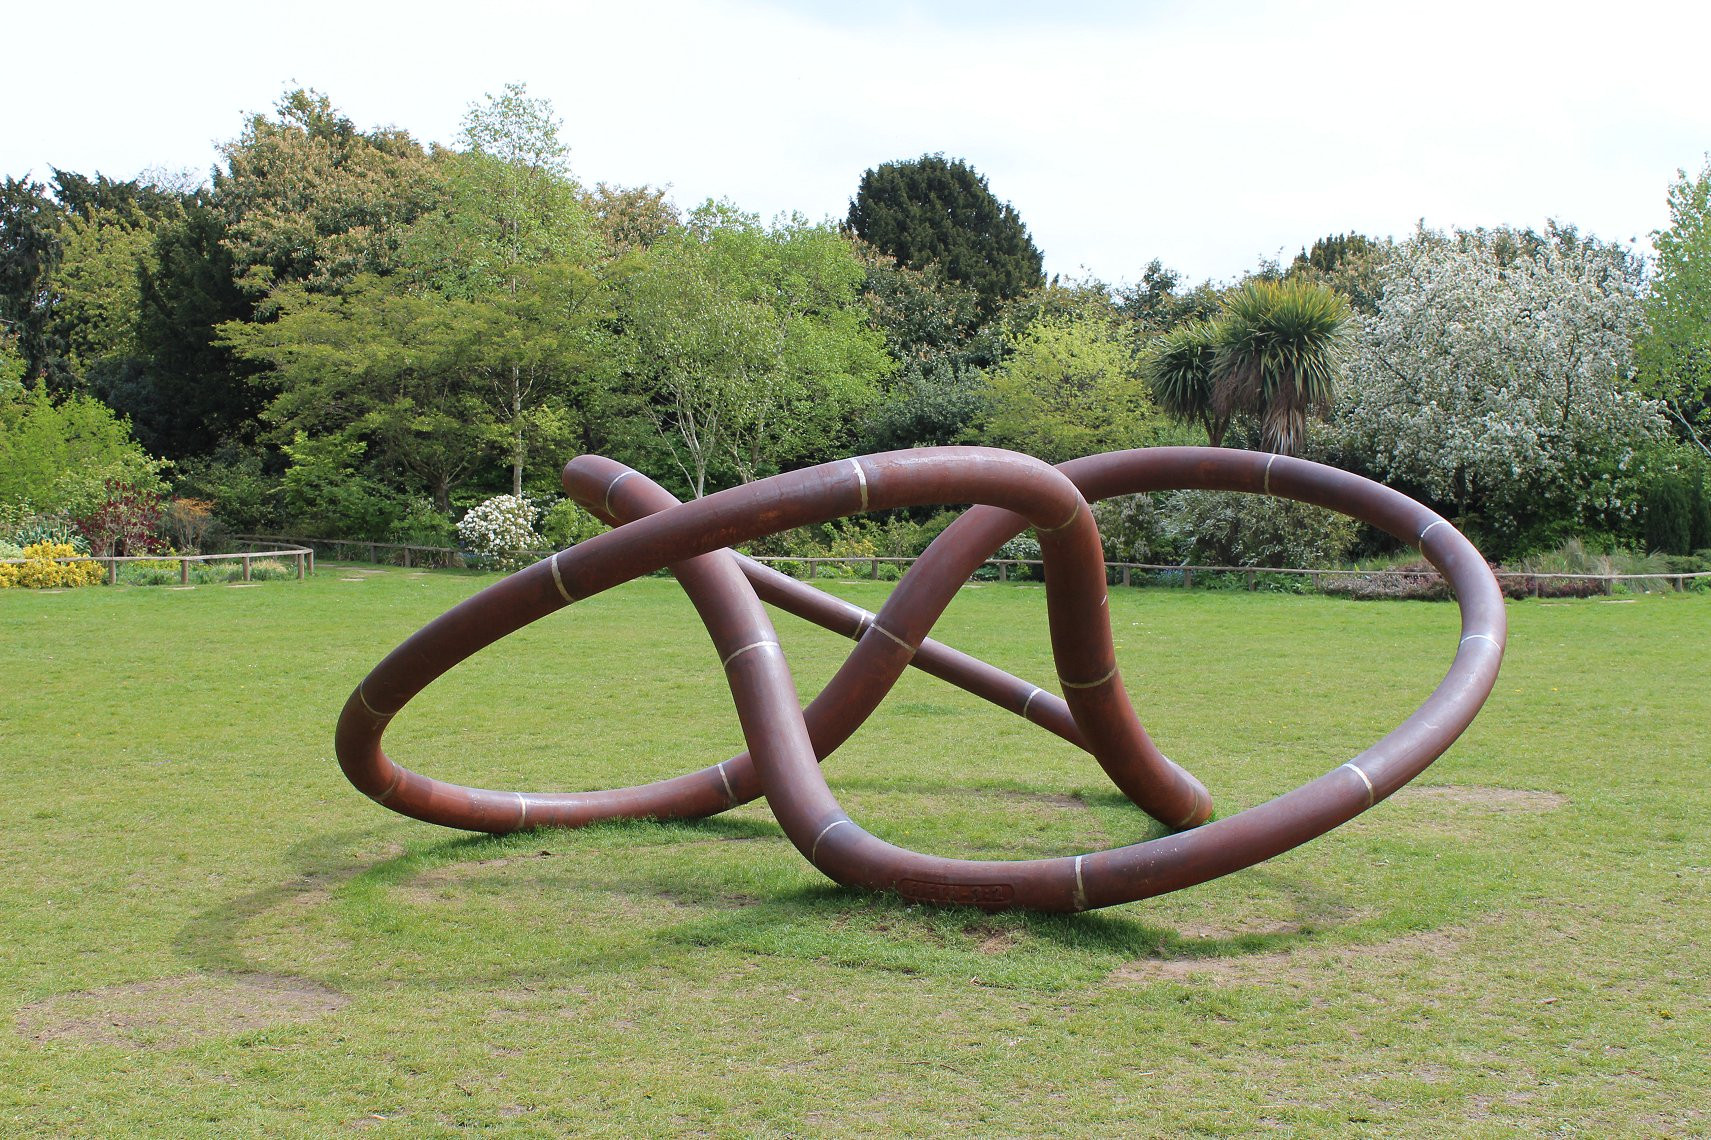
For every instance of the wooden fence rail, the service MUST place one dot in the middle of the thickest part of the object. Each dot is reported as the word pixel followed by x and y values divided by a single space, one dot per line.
pixel 304 557
pixel 1121 572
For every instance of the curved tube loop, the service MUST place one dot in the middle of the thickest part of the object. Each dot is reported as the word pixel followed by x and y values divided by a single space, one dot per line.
pixel 786 744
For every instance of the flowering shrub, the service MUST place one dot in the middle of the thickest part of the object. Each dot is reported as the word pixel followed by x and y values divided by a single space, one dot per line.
pixel 124 522
pixel 40 571
pixel 498 530
pixel 1494 381
pixel 186 521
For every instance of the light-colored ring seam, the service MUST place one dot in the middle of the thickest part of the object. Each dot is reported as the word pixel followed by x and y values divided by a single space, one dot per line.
pixel 397 778
pixel 893 637
pixel 1267 485
pixel 1087 684
pixel 730 794
pixel 1025 704
pixel 522 810
pixel 815 850
pixel 1053 530
pixel 613 486
pixel 862 622
pixel 1427 529
pixel 374 712
pixel 736 653
pixel 1365 779
pixel 1080 885
pixel 1481 637
pixel 558 579
pixel 861 475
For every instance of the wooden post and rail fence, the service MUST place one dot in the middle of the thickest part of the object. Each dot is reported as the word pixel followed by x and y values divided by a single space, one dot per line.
pixel 302 553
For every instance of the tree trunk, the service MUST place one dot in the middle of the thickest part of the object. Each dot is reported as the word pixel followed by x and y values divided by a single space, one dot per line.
pixel 517 436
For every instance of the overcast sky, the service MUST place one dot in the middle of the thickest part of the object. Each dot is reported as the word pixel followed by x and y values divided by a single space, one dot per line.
pixel 1209 135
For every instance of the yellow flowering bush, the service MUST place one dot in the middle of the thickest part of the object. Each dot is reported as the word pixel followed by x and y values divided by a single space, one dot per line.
pixel 39 571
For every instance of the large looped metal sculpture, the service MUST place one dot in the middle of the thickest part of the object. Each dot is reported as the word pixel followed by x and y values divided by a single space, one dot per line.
pixel 786 742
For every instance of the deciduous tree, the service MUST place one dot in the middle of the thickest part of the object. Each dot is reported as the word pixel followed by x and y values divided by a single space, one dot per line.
pixel 1675 352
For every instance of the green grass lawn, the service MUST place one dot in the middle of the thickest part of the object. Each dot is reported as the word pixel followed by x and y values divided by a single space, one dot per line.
pixel 207 932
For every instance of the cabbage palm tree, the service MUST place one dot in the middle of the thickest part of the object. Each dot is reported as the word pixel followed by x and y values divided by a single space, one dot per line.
pixel 1177 368
pixel 1278 355
pixel 1274 352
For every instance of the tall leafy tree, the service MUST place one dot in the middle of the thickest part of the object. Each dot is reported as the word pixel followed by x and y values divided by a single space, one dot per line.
pixel 933 329
pixel 190 393
pixel 749 344
pixel 1069 389
pixel 513 240
pixel 308 197
pixel 937 211
pixel 1675 352
pixel 382 370
pixel 1346 262
pixel 1159 301
pixel 29 220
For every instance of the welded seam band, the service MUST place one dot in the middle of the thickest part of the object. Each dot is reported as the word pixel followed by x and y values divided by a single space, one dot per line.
pixel 1365 779
pixel 372 711
pixel 736 653
pixel 612 486
pixel 815 850
pixel 1073 514
pixel 862 476
pixel 558 579
pixel 1087 684
pixel 881 629
pixel 397 778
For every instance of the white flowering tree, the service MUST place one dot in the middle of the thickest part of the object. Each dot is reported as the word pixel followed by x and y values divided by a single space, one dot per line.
pixel 499 530
pixel 1494 382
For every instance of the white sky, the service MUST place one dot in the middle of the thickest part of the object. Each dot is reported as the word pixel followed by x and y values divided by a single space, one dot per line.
pixel 1208 134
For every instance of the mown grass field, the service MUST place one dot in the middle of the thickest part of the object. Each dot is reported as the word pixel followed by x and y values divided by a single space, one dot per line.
pixel 207 932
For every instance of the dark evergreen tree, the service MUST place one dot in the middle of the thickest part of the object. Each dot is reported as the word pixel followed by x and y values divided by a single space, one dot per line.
pixel 83 196
pixel 192 392
pixel 933 211
pixel 28 219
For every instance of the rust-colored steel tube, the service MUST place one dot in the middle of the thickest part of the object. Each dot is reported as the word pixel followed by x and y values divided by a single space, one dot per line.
pixel 1018 492
pixel 814 494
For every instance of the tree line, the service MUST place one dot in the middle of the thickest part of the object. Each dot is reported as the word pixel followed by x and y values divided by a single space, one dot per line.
pixel 348 333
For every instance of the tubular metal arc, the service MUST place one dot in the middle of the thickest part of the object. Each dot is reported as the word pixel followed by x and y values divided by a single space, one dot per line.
pixel 786 742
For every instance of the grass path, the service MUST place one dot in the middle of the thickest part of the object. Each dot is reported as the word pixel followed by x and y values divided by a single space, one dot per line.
pixel 209 933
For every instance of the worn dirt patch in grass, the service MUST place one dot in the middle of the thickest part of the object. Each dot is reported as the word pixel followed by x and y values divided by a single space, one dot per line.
pixel 1295 969
pixel 1236 928
pixel 1501 800
pixel 166 1013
